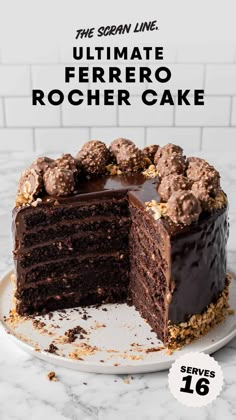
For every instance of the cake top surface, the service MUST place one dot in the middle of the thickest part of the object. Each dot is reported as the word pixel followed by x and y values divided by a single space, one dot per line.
pixel 165 182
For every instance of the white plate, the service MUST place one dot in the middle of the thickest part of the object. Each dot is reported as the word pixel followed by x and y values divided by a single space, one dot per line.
pixel 119 339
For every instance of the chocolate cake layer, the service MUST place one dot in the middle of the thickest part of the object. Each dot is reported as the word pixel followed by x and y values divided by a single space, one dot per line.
pixel 95 296
pixel 33 295
pixel 78 245
pixel 69 229
pixel 149 270
pixel 148 310
pixel 71 266
pixel 71 211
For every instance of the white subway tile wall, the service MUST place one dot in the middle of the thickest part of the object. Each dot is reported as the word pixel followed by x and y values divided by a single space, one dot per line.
pixel 14 80
pixel 107 134
pixel 215 111
pixel 139 114
pixel 16 140
pixel 88 116
pixel 233 121
pixel 56 140
pixel 21 113
pixel 220 139
pixel 183 76
pixel 178 135
pixel 42 129
pixel 221 80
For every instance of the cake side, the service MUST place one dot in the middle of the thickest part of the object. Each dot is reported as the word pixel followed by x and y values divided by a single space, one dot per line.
pixel 198 265
pixel 200 323
pixel 149 288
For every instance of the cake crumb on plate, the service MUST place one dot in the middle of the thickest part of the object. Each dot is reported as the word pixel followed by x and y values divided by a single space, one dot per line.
pixel 52 377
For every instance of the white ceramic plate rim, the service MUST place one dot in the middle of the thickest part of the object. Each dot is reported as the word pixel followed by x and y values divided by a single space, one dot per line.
pixel 144 366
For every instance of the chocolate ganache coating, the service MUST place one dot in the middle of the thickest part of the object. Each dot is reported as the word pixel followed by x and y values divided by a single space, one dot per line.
pixel 191 233
pixel 198 279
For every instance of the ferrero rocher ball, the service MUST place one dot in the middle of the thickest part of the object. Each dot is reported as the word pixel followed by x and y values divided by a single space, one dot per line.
pixel 167 150
pixel 150 151
pixel 170 184
pixel 200 170
pixel 67 161
pixel 59 181
pixel 30 183
pixel 171 164
pixel 41 164
pixel 200 190
pixel 93 157
pixel 183 207
pixel 127 156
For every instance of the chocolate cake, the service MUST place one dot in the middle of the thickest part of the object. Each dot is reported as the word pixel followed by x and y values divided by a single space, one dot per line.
pixel 147 227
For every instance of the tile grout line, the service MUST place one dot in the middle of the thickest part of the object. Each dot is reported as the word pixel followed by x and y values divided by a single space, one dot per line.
pixel 231 112
pixel 78 127
pixel 4 113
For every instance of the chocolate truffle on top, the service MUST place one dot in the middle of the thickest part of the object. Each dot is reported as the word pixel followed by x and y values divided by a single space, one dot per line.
pixel 170 184
pixel 41 164
pixel 93 157
pixel 202 194
pixel 183 207
pixel 31 183
pixel 171 164
pixel 167 150
pixel 67 161
pixel 200 170
pixel 128 157
pixel 59 181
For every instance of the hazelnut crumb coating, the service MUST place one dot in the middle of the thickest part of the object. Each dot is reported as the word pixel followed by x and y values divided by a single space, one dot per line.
pixel 199 324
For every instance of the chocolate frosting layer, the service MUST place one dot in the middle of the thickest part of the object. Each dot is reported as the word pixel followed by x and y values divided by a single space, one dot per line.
pixel 198 265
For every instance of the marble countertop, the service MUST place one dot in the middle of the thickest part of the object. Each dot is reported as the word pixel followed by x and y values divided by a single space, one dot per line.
pixel 26 393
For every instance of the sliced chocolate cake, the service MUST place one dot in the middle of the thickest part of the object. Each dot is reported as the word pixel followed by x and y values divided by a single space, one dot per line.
pixel 148 227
